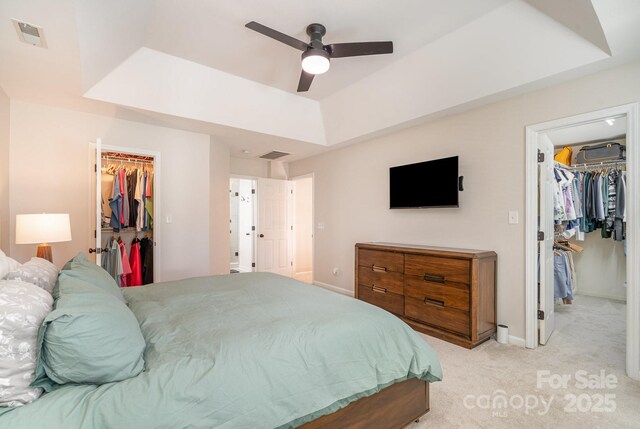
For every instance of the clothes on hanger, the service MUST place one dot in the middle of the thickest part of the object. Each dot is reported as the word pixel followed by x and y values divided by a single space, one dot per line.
pixel 588 200
pixel 127 192
pixel 564 275
pixel 146 258
pixel 135 278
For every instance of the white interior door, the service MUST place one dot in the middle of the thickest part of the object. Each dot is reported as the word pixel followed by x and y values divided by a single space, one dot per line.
pixel 274 227
pixel 97 231
pixel 245 224
pixel 546 180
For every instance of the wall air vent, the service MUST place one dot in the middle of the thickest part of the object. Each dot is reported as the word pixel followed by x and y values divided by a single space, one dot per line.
pixel 274 155
pixel 29 33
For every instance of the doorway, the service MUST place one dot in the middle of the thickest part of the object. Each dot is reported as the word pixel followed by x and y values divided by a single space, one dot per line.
pixel 134 234
pixel 303 228
pixel 242 225
pixel 540 288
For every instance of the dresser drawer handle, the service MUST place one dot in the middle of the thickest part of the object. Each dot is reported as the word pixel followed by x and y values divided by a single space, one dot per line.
pixel 379 289
pixel 433 278
pixel 379 269
pixel 428 300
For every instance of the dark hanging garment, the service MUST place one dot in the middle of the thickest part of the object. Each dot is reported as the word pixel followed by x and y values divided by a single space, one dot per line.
pixel 133 204
pixel 146 256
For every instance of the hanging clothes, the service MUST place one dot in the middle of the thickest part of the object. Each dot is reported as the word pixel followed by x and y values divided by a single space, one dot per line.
pixel 126 266
pixel 146 257
pixel 116 204
pixel 562 279
pixel 133 209
pixel 135 278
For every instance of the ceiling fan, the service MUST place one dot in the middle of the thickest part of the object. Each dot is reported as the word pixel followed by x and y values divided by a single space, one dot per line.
pixel 316 55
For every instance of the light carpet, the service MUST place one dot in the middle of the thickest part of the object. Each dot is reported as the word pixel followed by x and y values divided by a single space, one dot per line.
pixel 589 337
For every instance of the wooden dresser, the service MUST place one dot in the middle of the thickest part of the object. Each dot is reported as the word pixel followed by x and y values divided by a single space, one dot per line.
pixel 444 292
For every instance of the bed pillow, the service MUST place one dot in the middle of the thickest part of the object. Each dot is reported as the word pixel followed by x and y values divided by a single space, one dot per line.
pixel 23 306
pixel 90 337
pixel 37 271
pixel 7 265
pixel 81 268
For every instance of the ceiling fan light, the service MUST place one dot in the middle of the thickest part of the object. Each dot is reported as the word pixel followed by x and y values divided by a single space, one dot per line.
pixel 315 61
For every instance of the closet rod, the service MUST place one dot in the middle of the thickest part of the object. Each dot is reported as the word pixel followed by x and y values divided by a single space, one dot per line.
pixel 595 165
pixel 127 159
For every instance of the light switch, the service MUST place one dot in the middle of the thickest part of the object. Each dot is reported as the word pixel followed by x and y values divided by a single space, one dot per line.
pixel 513 217
pixel 169 219
pixel 320 225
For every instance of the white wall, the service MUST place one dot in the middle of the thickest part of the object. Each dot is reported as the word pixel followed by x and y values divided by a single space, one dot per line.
pixel 303 226
pixel 52 171
pixel 249 167
pixel 351 184
pixel 4 171
pixel 219 207
pixel 601 270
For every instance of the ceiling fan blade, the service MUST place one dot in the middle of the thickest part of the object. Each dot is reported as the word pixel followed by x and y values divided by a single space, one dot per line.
pixel 305 81
pixel 280 37
pixel 341 50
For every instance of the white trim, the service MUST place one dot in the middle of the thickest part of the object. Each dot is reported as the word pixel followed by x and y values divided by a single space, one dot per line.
pixel 633 241
pixel 516 341
pixel 632 112
pixel 157 183
pixel 313 221
pixel 601 296
pixel 333 288
pixel 531 230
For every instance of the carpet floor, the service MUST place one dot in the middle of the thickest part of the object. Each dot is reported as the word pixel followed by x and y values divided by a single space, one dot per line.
pixel 577 380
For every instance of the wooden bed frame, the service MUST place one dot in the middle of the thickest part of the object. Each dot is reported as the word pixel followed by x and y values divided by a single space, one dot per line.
pixel 394 407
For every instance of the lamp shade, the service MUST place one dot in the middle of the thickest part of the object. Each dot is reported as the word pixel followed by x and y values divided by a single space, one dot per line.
pixel 42 228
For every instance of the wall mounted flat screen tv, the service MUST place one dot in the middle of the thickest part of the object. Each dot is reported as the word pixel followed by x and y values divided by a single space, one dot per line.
pixel 425 184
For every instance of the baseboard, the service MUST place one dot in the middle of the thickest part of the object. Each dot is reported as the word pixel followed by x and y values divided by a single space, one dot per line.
pixel 333 288
pixel 303 273
pixel 516 341
pixel 600 295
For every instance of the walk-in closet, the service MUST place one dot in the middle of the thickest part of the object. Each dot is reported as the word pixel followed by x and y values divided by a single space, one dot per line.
pixel 127 217
pixel 589 187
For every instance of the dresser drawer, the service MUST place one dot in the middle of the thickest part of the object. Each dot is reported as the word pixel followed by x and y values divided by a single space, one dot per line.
pixel 389 280
pixel 438 270
pixel 381 261
pixel 389 301
pixel 450 295
pixel 451 319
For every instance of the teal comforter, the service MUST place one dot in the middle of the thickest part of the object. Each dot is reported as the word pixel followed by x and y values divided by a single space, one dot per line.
pixel 241 351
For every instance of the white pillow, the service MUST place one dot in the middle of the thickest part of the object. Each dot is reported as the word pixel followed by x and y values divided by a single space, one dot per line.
pixel 37 271
pixel 7 265
pixel 23 307
pixel 4 265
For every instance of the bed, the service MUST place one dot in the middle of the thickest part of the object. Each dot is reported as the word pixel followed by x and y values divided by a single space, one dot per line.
pixel 252 350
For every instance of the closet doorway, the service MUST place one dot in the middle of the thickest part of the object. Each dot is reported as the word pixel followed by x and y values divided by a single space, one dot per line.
pixel 242 192
pixel 303 228
pixel 587 287
pixel 127 181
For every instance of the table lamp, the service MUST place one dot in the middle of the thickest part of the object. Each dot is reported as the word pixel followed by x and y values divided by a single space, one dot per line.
pixel 43 229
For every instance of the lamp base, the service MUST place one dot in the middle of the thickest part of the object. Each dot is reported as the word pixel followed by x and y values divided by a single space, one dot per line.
pixel 44 252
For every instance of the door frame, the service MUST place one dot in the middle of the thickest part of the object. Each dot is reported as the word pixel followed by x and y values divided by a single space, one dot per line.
pixel 631 111
pixel 254 203
pixel 157 199
pixel 313 223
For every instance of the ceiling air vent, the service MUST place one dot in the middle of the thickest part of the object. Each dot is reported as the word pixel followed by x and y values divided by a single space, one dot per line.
pixel 274 155
pixel 29 33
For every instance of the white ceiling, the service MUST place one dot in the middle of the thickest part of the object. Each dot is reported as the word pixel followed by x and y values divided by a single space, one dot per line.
pixel 193 65
pixel 598 130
